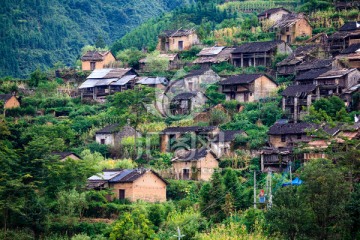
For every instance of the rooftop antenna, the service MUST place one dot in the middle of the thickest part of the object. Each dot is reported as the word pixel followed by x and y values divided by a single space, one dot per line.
pixel 179 236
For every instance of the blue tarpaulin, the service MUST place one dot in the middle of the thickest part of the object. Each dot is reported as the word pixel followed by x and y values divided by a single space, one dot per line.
pixel 296 182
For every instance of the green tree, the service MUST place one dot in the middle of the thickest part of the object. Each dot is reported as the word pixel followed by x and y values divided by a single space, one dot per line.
pixel 36 78
pixel 130 57
pixel 233 187
pixel 100 42
pixel 130 226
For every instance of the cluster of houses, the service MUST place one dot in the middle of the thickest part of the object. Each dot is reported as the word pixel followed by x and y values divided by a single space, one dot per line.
pixel 322 66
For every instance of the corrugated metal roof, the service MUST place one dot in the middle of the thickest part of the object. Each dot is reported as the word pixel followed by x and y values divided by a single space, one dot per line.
pixel 210 51
pixel 124 80
pixel 99 73
pixel 89 83
pixel 105 175
pixel 105 82
pixel 152 80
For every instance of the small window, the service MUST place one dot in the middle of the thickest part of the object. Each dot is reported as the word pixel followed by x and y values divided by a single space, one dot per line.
pixel 121 193
pixel 102 141
pixel 92 65
pixel 186 174
pixel 181 45
pixel 299 136
pixel 287 29
pixel 288 38
pixel 283 138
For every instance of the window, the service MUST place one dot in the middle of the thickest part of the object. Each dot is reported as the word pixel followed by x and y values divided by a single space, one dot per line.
pixel 287 29
pixel 288 38
pixel 121 193
pixel 181 45
pixel 232 96
pixel 102 141
pixel 299 136
pixel 92 65
pixel 283 138
pixel 191 86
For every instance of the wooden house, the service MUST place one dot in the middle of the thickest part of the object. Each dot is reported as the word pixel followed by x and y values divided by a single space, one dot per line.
pixel 195 164
pixel 177 40
pixel 349 57
pixel 247 87
pixel 307 77
pixel 173 58
pixel 314 64
pixel 113 134
pixel 131 184
pixel 347 35
pixel 103 82
pixel 66 155
pixel 186 102
pixel 8 101
pixel 297 100
pixel 92 60
pixel 291 26
pixel 258 53
pixel 273 14
pixel 301 55
pixel 173 138
pixel 213 55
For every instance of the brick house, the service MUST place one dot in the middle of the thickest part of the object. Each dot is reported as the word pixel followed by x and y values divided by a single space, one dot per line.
pixel 273 14
pixel 258 53
pixel 173 138
pixel 247 87
pixel 8 101
pixel 213 55
pixel 347 35
pixel 296 98
pixel 173 58
pixel 292 26
pixel 195 164
pixel 92 60
pixel 131 184
pixel 113 134
pixel 103 82
pixel 177 40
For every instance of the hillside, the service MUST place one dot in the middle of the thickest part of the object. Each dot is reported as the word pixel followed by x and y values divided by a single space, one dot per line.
pixel 43 32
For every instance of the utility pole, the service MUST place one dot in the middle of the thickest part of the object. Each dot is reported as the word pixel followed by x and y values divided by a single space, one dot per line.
pixel 254 188
pixel 270 192
pixel 290 174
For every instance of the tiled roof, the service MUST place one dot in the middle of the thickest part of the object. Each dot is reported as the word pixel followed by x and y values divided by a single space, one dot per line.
pixel 176 33
pixel 271 11
pixel 94 55
pixel 291 128
pixel 227 135
pixel 241 79
pixel 222 56
pixel 171 130
pixel 5 97
pixel 298 55
pixel 298 90
pixel 185 96
pixel 350 26
pixel 192 155
pixel 112 128
pixel 63 155
pixel 312 74
pixel 335 73
pixel 288 20
pixel 318 63
pixel 352 49
pixel 197 72
pixel 253 47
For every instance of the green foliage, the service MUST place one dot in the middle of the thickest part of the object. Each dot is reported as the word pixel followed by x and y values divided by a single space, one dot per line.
pixel 313 5
pixel 130 57
pixel 71 203
pixel 218 117
pixel 36 78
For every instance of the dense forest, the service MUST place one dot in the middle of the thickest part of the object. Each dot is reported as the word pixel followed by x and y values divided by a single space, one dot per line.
pixel 42 33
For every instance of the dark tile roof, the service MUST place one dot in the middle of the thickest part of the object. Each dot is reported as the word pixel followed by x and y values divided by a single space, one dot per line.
pixel 298 55
pixel 176 33
pixel 350 26
pixel 63 155
pixel 5 97
pixel 227 135
pixel 185 96
pixel 291 128
pixel 197 72
pixel 112 128
pixel 312 74
pixel 173 130
pixel 298 90
pixel 271 11
pixel 94 55
pixel 351 49
pixel 241 79
pixel 192 155
pixel 318 63
pixel 288 20
pixel 253 47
